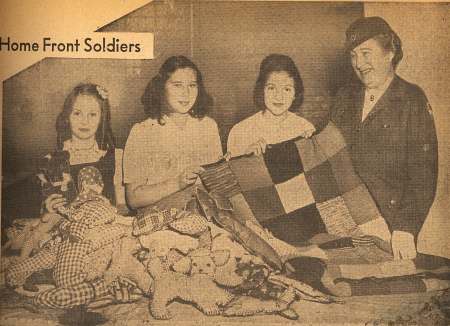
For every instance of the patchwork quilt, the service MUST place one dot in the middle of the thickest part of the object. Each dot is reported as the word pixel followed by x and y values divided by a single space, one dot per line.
pixel 303 190
pixel 300 188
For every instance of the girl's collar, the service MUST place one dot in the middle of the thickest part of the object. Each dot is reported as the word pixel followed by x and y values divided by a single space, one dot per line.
pixel 83 155
pixel 272 120
pixel 168 119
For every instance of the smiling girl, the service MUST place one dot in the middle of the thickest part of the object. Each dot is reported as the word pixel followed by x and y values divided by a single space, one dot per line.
pixel 278 94
pixel 164 153
pixel 84 131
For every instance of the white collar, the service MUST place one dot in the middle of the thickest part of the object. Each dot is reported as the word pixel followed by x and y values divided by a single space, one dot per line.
pixel 378 91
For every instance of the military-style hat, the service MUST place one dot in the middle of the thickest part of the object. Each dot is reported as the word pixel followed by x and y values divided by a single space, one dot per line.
pixel 364 29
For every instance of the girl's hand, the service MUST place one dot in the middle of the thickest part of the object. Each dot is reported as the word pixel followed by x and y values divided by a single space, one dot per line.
pixel 257 148
pixel 189 176
pixel 54 201
pixel 403 246
pixel 308 133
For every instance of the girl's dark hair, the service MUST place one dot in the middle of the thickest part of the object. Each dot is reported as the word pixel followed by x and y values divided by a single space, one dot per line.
pixel 154 94
pixel 103 135
pixel 278 63
pixel 391 42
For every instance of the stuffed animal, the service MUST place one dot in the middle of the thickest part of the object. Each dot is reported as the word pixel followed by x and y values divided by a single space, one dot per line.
pixel 160 242
pixel 28 235
pixel 89 209
pixel 190 224
pixel 216 264
pixel 199 289
pixel 54 175
pixel 124 263
pixel 18 232
pixel 249 306
pixel 151 219
pixel 40 233
pixel 202 261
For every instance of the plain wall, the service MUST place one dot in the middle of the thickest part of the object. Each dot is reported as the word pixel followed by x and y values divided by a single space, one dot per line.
pixel 424 31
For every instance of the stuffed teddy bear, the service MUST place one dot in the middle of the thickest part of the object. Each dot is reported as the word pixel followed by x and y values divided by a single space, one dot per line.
pixel 199 289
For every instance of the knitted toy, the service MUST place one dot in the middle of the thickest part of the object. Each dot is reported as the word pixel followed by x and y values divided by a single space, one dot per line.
pixel 40 233
pixel 191 224
pixel 249 306
pixel 54 175
pixel 124 263
pixel 27 235
pixel 199 289
pixel 159 243
pixel 217 264
pixel 87 229
pixel 202 261
pixel 152 219
pixel 89 209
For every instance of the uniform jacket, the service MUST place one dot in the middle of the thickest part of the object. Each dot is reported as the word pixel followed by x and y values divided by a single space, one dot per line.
pixel 394 150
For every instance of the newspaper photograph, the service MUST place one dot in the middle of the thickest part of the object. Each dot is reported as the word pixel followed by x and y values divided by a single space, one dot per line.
pixel 221 162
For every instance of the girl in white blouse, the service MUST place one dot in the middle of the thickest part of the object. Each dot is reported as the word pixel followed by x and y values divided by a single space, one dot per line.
pixel 278 94
pixel 164 153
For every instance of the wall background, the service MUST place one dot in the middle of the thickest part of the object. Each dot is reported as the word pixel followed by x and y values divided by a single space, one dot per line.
pixel 228 40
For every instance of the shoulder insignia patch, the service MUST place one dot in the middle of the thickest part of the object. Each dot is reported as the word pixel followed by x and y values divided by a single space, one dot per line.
pixel 429 109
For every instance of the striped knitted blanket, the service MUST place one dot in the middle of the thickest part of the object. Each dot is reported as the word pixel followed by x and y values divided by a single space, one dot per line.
pixel 302 188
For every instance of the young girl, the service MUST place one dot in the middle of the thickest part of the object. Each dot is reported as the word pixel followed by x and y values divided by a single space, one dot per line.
pixel 163 154
pixel 84 131
pixel 278 94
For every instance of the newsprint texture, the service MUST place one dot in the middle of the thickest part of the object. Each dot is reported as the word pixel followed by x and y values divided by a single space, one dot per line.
pixel 225 162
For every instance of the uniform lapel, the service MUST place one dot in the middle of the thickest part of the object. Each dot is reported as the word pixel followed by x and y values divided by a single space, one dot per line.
pixel 385 102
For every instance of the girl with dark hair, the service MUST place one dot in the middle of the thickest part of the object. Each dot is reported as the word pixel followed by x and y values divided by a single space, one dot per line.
pixel 84 132
pixel 278 94
pixel 164 153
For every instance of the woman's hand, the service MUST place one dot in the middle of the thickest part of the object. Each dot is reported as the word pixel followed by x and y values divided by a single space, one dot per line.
pixel 308 133
pixel 257 148
pixel 189 176
pixel 54 201
pixel 403 246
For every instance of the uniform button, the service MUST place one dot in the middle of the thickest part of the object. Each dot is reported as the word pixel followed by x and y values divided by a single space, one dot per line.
pixel 385 126
pixel 392 202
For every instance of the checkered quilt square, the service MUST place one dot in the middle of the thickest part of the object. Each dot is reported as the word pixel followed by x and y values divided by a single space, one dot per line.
pixel 298 188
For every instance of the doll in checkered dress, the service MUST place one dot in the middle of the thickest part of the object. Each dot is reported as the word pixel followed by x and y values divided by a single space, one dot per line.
pixel 87 232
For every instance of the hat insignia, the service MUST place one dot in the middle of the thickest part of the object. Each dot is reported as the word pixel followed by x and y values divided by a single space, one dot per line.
pixel 353 37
